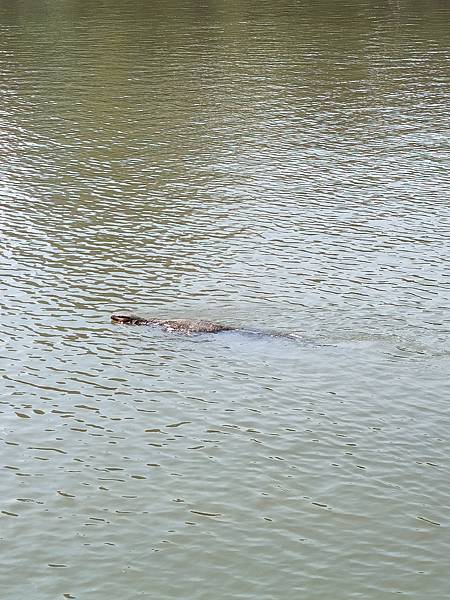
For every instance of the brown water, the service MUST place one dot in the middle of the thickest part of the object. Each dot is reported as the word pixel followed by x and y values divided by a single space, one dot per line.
pixel 269 165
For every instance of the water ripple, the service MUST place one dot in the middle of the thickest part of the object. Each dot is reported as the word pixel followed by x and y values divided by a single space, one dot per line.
pixel 277 167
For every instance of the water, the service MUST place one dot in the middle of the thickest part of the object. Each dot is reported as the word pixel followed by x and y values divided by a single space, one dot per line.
pixel 274 166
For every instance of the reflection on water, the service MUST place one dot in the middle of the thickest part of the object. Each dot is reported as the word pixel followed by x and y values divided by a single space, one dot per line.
pixel 273 166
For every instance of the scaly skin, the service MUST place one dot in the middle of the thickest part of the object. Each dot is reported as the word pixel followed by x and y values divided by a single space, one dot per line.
pixel 181 325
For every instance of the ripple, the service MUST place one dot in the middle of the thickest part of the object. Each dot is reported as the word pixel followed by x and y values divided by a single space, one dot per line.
pixel 279 167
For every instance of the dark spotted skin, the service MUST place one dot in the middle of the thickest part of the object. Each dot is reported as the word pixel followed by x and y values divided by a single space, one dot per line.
pixel 189 326
pixel 181 325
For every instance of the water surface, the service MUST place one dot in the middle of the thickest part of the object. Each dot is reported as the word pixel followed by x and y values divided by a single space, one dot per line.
pixel 275 166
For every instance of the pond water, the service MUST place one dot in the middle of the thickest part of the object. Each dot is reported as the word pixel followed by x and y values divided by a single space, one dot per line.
pixel 279 166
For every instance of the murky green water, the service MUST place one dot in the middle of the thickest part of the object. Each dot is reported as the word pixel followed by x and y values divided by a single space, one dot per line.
pixel 271 165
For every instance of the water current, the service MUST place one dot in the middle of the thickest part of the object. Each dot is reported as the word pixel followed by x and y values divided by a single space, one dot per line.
pixel 279 166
